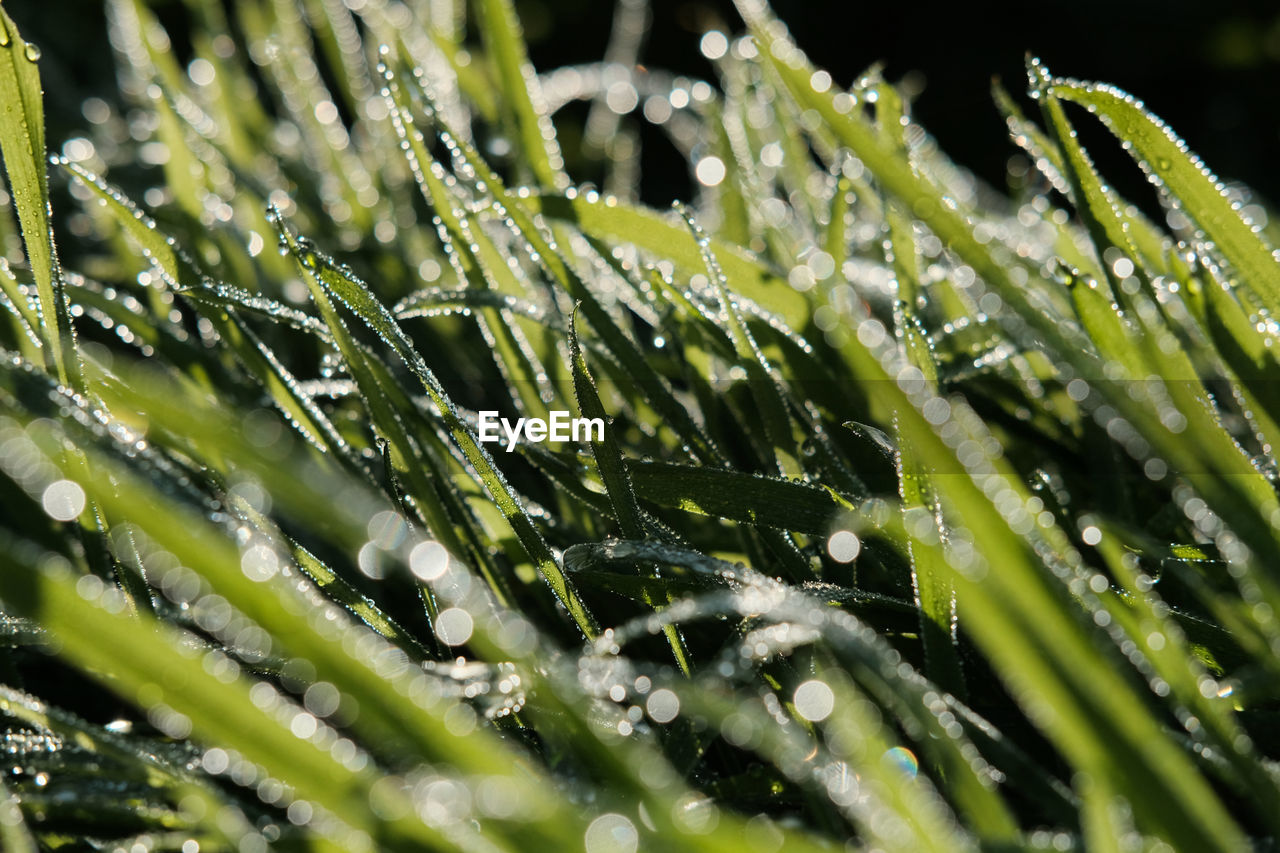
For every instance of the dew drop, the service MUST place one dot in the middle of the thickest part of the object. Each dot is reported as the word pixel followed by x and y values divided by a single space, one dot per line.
pixel 844 546
pixel 429 560
pixel 904 759
pixel 31 52
pixel 714 44
pixel 454 626
pixel 663 705
pixel 611 833
pixel 814 700
pixel 710 171
pixel 63 500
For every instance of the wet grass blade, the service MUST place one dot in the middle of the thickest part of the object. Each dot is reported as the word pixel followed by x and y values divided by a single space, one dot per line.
pixel 1094 201
pixel 614 475
pixel 780 442
pixel 482 262
pixel 923 519
pixel 1168 163
pixel 608 456
pixel 1048 389
pixel 22 143
pixel 521 95
pixel 26 310
pixel 753 498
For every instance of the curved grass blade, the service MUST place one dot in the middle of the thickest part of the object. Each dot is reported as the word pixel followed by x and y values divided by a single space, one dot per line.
pixel 435 301
pixel 1168 163
pixel 22 144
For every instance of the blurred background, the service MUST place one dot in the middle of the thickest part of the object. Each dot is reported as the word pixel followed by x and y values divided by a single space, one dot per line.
pixel 1212 70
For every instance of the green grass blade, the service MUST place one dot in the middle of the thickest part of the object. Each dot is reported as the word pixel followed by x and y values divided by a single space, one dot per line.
pixel 753 498
pixel 765 390
pixel 1167 162
pixel 27 311
pixel 608 456
pixel 614 475
pixel 923 519
pixel 22 143
pixel 1094 201
pixel 482 261
pixel 521 96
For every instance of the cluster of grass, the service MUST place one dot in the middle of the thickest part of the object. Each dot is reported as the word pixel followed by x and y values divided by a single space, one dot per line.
pixel 926 518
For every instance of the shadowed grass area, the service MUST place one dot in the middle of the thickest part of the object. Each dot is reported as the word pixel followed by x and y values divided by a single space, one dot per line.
pixel 923 517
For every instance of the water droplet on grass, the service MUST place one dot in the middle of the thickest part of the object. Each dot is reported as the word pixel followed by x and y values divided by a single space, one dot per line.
pixel 814 700
pixel 63 500
pixel 663 705
pixel 611 833
pixel 429 560
pixel 710 171
pixel 454 626
pixel 904 759
pixel 844 546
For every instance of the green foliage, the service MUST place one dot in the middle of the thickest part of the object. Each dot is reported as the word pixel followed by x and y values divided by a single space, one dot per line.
pixel 926 517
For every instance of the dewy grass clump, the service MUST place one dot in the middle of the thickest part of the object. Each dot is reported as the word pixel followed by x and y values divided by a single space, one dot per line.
pixel 923 518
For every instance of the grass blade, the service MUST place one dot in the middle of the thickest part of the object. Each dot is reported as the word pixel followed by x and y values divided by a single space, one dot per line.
pixel 521 96
pixel 22 143
pixel 1169 165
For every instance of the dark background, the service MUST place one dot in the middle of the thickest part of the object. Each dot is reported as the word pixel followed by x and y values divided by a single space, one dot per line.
pixel 1211 70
